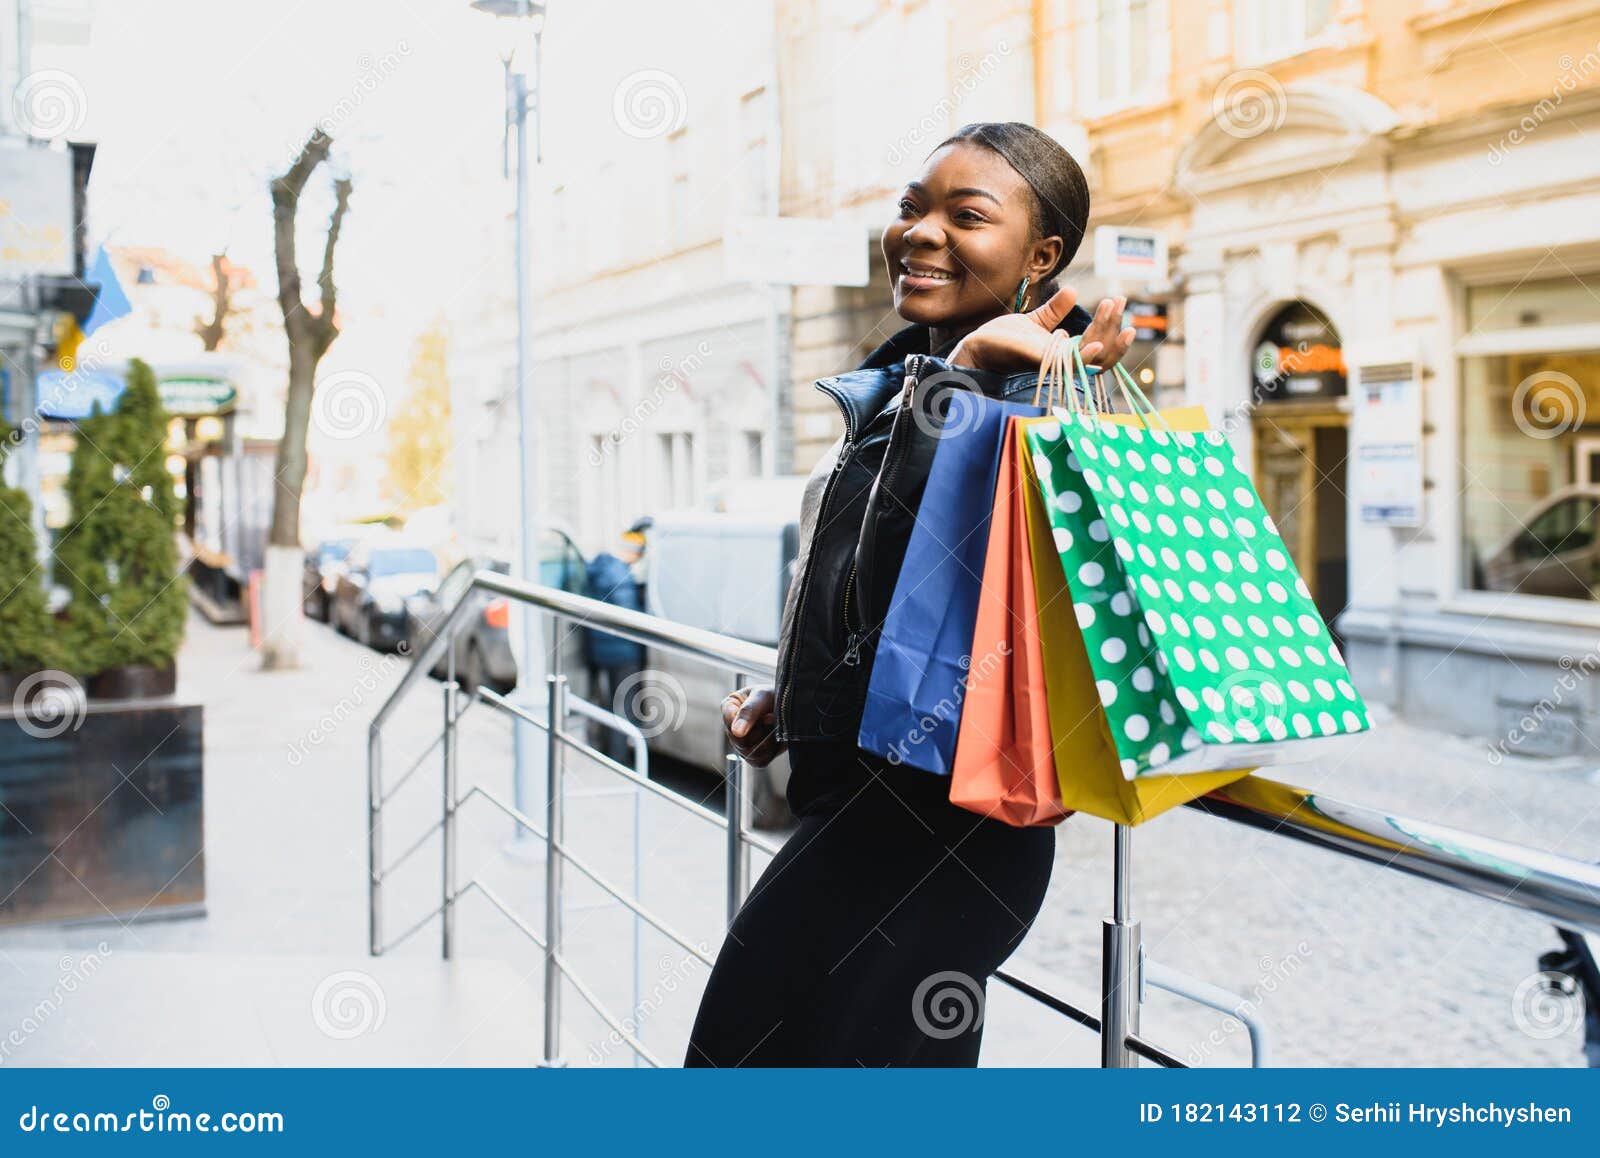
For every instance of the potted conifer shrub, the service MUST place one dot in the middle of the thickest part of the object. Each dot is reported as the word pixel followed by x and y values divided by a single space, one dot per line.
pixel 27 631
pixel 118 557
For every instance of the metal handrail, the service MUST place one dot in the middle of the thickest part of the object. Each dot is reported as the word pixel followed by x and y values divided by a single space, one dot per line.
pixel 1560 888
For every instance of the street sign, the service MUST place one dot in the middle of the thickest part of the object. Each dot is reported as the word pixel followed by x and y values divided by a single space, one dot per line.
pixel 1122 253
pixel 796 251
pixel 1148 319
pixel 36 233
pixel 194 397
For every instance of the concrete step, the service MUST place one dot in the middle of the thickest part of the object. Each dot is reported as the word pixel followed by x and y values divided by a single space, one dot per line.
pixel 130 1008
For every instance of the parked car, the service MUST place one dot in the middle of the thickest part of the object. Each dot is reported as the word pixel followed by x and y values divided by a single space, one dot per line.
pixel 1557 551
pixel 483 648
pixel 323 564
pixel 378 576
pixel 729 573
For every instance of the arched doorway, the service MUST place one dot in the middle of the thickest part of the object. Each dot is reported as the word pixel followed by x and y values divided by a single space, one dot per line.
pixel 1302 442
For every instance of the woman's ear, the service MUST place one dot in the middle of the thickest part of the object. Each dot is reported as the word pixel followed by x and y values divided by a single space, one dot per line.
pixel 1043 256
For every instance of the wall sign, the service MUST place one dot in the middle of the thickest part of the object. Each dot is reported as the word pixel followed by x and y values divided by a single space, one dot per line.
pixel 1299 356
pixel 1386 452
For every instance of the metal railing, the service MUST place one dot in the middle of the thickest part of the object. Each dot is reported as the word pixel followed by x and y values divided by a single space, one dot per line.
pixel 1565 890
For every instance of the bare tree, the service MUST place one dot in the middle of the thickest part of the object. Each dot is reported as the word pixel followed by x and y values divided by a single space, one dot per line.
pixel 310 332
pixel 211 330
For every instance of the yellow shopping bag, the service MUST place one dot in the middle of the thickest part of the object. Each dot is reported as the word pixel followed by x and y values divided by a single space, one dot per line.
pixel 1086 759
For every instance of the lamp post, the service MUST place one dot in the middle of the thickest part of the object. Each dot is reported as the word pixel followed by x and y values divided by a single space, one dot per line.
pixel 517 17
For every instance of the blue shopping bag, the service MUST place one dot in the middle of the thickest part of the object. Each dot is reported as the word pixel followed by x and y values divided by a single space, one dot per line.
pixel 919 672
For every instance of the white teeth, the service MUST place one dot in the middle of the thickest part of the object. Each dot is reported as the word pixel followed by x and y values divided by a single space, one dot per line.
pixel 938 275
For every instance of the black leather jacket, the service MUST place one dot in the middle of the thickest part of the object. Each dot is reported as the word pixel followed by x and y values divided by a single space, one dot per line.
pixel 855 520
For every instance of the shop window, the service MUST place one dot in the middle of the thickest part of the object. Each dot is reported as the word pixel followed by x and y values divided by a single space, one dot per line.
pixel 1530 490
pixel 1273 29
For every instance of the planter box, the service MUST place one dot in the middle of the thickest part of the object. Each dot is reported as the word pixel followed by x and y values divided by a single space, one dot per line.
pixel 100 813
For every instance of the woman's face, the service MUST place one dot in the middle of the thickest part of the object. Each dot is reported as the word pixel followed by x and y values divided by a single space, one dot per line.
pixel 963 240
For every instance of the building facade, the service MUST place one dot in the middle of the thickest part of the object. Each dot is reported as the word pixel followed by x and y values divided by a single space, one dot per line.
pixel 1384 232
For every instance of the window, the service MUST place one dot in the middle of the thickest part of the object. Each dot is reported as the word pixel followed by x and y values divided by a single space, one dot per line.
pixel 744 454
pixel 677 469
pixel 1273 29
pixel 1529 503
pixel 1123 50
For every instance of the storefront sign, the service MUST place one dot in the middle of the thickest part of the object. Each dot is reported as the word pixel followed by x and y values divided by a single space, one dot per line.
pixel 796 251
pixel 1298 356
pixel 1123 254
pixel 1387 453
pixel 1148 319
pixel 193 397
pixel 73 395
pixel 36 233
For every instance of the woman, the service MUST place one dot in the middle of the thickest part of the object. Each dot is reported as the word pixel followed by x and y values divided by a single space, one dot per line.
pixel 870 937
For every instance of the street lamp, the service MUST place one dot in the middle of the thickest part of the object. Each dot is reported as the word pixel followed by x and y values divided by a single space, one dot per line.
pixel 515 19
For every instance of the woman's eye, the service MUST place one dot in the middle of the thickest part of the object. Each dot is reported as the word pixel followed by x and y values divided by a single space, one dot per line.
pixel 970 217
pixel 907 207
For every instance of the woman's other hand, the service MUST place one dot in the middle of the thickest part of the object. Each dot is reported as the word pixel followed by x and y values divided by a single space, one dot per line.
pixel 748 716
pixel 1013 343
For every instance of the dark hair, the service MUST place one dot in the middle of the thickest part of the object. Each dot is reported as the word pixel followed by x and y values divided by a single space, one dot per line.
pixel 1060 190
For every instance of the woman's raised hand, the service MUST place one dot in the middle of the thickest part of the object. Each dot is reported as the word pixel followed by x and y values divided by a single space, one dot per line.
pixel 1013 343
pixel 748 718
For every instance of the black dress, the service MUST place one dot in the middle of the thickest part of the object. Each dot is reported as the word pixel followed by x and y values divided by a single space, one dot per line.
pixel 870 937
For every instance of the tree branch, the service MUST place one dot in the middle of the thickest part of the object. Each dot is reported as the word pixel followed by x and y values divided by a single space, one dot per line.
pixel 286 191
pixel 327 327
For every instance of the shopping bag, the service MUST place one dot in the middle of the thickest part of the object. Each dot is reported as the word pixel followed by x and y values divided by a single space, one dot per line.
pixel 919 669
pixel 1224 658
pixel 1003 766
pixel 1088 765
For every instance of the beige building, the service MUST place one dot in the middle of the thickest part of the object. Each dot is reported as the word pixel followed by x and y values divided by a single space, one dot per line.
pixel 1384 231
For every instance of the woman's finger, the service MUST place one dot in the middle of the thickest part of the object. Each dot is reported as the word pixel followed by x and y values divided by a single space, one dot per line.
pixel 1054 311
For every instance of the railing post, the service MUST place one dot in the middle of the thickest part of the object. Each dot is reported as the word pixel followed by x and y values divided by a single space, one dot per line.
pixel 556 686
pixel 1119 964
pixel 447 824
pixel 374 840
pixel 737 808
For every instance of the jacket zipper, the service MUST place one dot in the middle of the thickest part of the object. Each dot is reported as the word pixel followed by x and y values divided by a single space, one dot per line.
pixel 853 637
pixel 805 582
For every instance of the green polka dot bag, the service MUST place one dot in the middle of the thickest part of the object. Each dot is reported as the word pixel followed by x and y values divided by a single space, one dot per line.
pixel 1207 650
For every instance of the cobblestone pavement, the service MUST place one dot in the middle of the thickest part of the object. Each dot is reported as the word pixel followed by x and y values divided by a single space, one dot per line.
pixel 1346 963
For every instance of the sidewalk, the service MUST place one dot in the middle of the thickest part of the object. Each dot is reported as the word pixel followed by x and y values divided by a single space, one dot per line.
pixel 1349 964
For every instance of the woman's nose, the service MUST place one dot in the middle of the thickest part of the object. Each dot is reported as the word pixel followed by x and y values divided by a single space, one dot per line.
pixel 925 232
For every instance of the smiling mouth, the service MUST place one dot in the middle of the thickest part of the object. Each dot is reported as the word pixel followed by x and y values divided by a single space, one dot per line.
pixel 924 276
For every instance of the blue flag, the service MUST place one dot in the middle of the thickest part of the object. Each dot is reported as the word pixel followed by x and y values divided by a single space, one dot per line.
pixel 111 303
